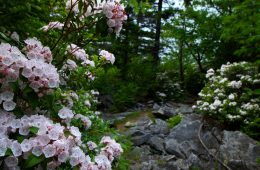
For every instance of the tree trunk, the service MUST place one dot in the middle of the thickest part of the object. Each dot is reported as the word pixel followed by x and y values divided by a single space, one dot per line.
pixel 199 64
pixel 181 68
pixel 126 50
pixel 157 34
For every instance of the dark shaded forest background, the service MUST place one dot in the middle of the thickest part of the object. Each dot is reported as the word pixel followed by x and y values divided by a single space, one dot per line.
pixel 165 47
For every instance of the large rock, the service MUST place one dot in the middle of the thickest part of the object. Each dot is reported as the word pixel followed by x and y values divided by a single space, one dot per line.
pixel 156 143
pixel 139 137
pixel 239 150
pixel 185 109
pixel 159 148
pixel 159 127
pixel 168 110
pixel 183 138
pixel 172 147
pixel 165 112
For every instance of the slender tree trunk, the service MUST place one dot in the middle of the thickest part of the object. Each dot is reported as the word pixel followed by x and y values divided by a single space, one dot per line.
pixel 137 42
pixel 157 34
pixel 199 64
pixel 126 50
pixel 181 68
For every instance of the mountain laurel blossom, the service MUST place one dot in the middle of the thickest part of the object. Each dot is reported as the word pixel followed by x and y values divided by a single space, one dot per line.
pixel 51 141
pixel 53 25
pixel 109 57
pixel 225 94
pixel 43 114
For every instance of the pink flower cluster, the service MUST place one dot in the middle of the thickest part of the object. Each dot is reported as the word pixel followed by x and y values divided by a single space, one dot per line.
pixel 112 148
pixel 35 50
pixel 115 12
pixel 35 66
pixel 53 25
pixel 109 57
pixel 7 98
pixel 67 114
pixel 51 141
pixel 11 60
pixel 85 120
pixel 80 55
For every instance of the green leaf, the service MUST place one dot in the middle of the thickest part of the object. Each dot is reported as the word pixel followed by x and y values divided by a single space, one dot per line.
pixel 34 130
pixel 32 161
pixel 4 37
pixel 20 138
pixel 257 91
pixel 8 152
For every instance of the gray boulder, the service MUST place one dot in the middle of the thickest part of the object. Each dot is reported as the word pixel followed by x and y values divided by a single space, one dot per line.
pixel 156 143
pixel 159 127
pixel 239 150
pixel 139 137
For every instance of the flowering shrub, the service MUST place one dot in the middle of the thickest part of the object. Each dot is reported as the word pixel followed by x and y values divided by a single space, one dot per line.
pixel 114 11
pixel 232 94
pixel 47 117
pixel 169 89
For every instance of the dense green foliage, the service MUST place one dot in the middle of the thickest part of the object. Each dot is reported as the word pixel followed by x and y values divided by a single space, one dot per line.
pixel 162 54
pixel 194 38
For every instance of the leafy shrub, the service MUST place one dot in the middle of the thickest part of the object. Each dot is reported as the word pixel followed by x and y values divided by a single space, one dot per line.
pixel 47 105
pixel 231 95
pixel 194 80
pixel 173 121
pixel 125 97
pixel 168 87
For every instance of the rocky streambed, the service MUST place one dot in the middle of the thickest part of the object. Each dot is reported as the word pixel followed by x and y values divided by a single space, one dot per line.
pixel 193 144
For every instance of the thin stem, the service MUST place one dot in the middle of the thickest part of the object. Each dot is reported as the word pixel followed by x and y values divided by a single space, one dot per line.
pixel 205 147
pixel 65 24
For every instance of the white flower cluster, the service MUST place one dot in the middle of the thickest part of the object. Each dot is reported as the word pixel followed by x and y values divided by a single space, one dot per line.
pixel 35 66
pixel 225 95
pixel 51 141
pixel 109 57
pixel 115 12
pixel 15 36
pixel 210 73
pixel 235 84
pixel 53 25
